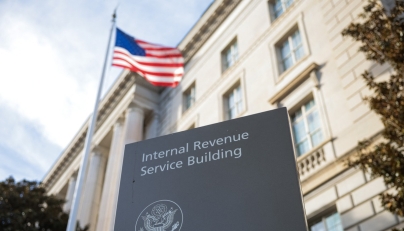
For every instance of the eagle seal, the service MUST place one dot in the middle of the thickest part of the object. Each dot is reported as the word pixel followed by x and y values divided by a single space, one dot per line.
pixel 163 215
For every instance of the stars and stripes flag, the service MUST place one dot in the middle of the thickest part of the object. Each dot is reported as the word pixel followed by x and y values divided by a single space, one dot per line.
pixel 160 65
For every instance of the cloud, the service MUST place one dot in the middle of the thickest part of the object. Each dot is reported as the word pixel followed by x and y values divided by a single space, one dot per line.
pixel 24 151
pixel 43 79
pixel 163 22
pixel 51 55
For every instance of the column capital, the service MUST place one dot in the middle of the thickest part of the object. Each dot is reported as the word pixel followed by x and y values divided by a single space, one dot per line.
pixel 99 150
pixel 74 174
pixel 120 120
pixel 119 123
pixel 133 106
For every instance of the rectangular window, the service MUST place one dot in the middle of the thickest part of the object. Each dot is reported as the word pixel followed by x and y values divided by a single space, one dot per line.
pixel 230 55
pixel 306 126
pixel 189 97
pixel 291 50
pixel 234 102
pixel 280 6
pixel 328 223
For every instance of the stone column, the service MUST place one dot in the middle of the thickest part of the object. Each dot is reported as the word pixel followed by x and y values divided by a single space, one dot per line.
pixel 111 177
pixel 134 124
pixel 69 194
pixel 154 123
pixel 127 131
pixel 90 200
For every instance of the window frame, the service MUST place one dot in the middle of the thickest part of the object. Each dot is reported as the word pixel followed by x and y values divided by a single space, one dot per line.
pixel 306 86
pixel 308 135
pixel 225 89
pixel 302 92
pixel 292 50
pixel 290 27
pixel 190 92
pixel 320 217
pixel 273 11
pixel 238 104
pixel 233 47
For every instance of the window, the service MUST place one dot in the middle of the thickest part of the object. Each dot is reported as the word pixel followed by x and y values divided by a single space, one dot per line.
pixel 234 102
pixel 280 6
pixel 328 223
pixel 388 5
pixel 291 50
pixel 189 97
pixel 230 55
pixel 306 127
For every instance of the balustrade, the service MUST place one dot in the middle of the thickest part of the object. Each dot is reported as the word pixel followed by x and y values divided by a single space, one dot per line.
pixel 310 163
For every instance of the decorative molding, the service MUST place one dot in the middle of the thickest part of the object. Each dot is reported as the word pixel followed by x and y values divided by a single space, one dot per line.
pixel 100 150
pixel 208 28
pixel 294 83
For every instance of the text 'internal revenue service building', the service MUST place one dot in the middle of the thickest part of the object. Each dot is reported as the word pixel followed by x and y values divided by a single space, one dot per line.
pixel 236 175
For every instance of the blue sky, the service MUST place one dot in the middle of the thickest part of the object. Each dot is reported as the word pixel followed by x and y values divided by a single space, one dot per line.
pixel 51 55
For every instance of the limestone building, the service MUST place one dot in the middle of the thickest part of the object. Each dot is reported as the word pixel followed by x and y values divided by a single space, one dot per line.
pixel 244 57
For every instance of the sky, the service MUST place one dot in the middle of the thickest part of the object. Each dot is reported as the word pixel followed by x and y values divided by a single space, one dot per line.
pixel 51 57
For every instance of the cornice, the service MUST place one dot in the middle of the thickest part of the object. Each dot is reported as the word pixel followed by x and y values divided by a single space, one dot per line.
pixel 208 28
pixel 305 74
pixel 111 99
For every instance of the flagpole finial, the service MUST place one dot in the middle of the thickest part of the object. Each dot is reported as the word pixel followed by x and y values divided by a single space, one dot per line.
pixel 114 14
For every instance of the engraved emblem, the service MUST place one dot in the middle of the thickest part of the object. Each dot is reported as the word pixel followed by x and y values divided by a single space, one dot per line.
pixel 163 215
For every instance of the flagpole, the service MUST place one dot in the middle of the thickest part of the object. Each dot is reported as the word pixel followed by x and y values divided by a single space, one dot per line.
pixel 71 226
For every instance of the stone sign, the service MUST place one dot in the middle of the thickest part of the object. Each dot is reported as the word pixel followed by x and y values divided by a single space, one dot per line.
pixel 237 175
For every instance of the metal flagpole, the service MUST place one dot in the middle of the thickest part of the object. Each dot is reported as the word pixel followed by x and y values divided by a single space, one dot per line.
pixel 71 226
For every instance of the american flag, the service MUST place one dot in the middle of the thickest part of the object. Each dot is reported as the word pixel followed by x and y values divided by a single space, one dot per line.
pixel 160 65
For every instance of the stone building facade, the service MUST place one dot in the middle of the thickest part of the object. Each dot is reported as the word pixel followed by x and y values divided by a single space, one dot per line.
pixel 244 57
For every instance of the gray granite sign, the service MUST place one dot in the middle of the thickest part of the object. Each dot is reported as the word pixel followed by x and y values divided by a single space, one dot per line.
pixel 238 175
